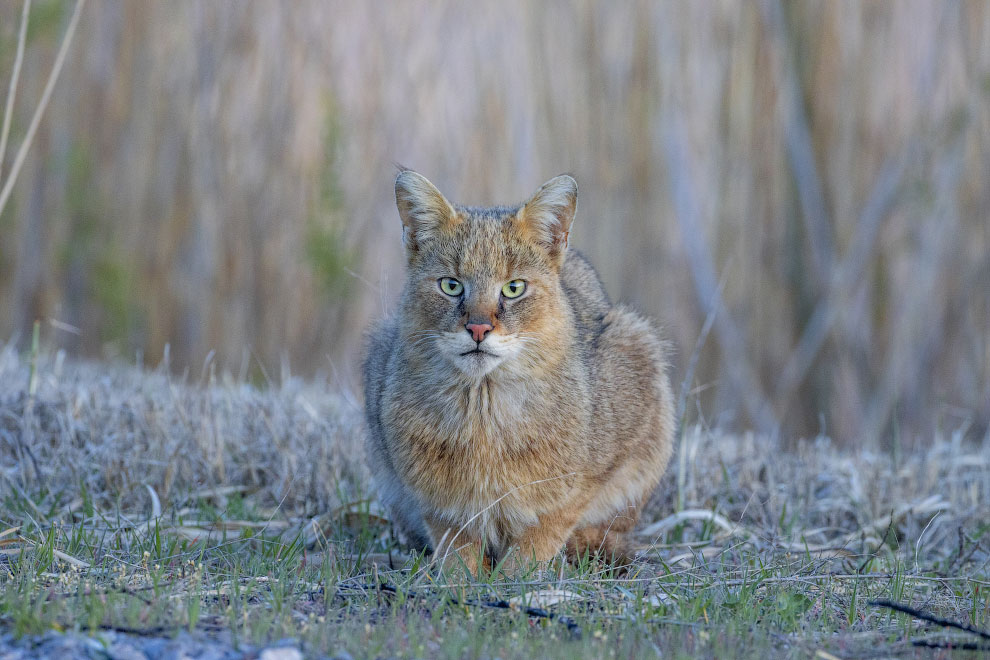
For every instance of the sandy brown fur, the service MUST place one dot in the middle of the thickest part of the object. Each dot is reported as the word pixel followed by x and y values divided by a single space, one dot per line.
pixel 556 447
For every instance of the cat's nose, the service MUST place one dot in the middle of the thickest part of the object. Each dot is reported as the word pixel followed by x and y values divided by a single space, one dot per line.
pixel 478 330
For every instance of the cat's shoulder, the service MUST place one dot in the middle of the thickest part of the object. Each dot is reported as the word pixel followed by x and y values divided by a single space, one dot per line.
pixel 382 333
pixel 380 340
pixel 583 286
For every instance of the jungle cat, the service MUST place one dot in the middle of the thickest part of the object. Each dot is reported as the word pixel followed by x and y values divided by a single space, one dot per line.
pixel 510 405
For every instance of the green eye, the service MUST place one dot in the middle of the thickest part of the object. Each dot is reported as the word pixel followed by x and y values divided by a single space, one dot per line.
pixel 450 286
pixel 514 289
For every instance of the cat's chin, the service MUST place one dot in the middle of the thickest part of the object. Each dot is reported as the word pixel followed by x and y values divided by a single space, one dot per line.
pixel 477 363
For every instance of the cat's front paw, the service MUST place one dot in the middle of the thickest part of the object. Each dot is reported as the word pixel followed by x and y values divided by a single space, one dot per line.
pixel 466 561
pixel 516 565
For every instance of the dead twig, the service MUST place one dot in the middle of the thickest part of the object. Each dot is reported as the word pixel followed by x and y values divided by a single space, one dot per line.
pixel 938 621
pixel 945 644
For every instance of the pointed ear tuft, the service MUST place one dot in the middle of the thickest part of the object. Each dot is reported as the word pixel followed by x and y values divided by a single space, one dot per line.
pixel 547 217
pixel 424 210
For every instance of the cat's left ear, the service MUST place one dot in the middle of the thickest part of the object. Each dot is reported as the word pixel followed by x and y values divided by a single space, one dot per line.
pixel 424 211
pixel 547 217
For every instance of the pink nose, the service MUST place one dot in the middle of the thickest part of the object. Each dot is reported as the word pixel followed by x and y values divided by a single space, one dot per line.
pixel 478 330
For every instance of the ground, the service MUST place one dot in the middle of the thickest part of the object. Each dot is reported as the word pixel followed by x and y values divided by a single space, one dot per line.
pixel 145 509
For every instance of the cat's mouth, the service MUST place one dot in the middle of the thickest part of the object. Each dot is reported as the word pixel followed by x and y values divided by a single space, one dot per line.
pixel 476 359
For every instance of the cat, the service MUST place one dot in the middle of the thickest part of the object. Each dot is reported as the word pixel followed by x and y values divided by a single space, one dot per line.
pixel 512 410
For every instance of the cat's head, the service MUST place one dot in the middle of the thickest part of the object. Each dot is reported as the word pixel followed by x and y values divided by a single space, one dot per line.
pixel 483 288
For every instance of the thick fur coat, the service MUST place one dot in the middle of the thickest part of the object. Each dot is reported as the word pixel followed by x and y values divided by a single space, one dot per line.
pixel 507 424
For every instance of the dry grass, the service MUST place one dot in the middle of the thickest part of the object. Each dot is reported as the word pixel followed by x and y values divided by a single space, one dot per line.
pixel 111 432
pixel 136 501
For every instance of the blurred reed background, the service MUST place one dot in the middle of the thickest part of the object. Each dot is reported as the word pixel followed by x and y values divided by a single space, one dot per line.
pixel 809 177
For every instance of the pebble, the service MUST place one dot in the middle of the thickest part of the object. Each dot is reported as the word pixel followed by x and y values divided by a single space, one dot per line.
pixel 125 651
pixel 283 653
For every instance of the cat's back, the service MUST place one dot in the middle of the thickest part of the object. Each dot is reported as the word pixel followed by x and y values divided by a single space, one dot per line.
pixel 586 294
pixel 624 353
pixel 380 342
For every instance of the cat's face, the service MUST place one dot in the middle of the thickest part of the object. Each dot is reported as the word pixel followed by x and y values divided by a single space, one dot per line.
pixel 483 289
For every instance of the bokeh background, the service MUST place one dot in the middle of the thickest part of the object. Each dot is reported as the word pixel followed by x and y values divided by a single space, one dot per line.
pixel 797 191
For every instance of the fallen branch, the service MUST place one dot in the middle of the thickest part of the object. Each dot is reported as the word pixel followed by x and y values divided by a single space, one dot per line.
pixel 940 644
pixel 945 623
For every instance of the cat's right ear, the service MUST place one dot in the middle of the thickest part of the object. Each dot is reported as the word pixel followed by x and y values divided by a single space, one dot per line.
pixel 425 212
pixel 547 217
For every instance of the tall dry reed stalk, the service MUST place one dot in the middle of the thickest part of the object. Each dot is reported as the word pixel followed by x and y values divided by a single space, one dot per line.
pixel 217 177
